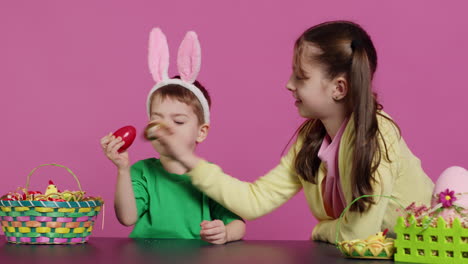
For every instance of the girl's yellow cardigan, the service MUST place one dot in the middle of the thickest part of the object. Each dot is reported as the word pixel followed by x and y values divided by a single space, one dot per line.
pixel 402 178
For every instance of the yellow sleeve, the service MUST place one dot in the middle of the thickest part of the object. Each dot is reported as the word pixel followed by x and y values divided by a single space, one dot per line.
pixel 356 225
pixel 248 200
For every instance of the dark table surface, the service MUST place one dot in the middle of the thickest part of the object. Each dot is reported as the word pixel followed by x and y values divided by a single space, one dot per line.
pixel 126 250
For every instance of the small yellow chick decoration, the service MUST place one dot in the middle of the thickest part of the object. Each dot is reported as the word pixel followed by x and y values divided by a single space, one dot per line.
pixel 54 194
pixel 51 188
pixel 380 236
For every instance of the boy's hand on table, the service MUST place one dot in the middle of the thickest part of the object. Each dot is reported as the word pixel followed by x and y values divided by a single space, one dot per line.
pixel 213 232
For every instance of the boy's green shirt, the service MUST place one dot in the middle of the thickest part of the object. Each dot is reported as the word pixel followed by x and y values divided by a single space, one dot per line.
pixel 168 205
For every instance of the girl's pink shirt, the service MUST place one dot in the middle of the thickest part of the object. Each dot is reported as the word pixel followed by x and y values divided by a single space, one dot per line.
pixel 332 192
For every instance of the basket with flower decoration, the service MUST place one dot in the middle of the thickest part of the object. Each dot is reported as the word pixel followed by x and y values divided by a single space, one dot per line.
pixel 433 235
pixel 438 234
pixel 55 217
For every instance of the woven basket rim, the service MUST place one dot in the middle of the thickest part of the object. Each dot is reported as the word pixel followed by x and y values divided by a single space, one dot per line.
pixel 51 204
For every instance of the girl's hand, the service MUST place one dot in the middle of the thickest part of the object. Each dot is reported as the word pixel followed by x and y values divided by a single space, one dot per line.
pixel 168 137
pixel 213 232
pixel 110 144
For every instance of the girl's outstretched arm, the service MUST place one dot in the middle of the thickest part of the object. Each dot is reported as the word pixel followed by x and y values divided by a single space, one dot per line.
pixel 248 200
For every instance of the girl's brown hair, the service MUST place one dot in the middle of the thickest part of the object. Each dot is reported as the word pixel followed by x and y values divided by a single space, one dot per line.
pixel 345 49
pixel 184 95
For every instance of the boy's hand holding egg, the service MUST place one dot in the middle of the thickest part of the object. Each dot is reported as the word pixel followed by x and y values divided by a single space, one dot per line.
pixel 127 134
pixel 115 145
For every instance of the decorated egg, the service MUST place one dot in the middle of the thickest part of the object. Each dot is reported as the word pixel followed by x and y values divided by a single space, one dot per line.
pixel 454 179
pixel 127 134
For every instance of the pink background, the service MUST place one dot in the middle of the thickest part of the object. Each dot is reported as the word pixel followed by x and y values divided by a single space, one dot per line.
pixel 70 72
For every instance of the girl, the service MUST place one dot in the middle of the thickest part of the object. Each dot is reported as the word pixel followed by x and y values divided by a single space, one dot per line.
pixel 347 147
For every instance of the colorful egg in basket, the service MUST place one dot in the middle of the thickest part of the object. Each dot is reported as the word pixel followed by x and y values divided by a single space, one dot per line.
pixel 51 218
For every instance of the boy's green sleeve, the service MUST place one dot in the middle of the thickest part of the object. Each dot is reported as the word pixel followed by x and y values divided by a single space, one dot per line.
pixel 221 213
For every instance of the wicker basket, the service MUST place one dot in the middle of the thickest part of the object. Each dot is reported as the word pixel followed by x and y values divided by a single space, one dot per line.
pixel 440 244
pixel 49 222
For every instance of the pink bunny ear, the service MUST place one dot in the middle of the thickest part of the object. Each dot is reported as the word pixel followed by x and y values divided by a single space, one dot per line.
pixel 158 55
pixel 189 57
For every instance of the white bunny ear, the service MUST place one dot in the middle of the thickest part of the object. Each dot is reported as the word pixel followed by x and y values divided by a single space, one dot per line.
pixel 189 57
pixel 158 55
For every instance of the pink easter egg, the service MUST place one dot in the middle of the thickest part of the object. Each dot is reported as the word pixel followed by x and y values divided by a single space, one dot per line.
pixel 455 179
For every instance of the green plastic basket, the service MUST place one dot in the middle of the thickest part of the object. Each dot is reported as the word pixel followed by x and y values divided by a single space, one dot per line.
pixel 48 222
pixel 439 244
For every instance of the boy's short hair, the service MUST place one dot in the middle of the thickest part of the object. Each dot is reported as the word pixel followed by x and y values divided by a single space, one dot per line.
pixel 184 95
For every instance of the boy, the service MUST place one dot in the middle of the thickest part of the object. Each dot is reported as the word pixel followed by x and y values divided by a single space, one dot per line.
pixel 155 195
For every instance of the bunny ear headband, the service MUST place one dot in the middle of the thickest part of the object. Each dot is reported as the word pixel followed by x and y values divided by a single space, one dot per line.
pixel 188 64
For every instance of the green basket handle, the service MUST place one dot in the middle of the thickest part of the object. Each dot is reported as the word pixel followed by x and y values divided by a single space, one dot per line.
pixel 52 164
pixel 338 224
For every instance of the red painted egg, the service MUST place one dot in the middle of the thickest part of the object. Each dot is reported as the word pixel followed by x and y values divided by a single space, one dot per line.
pixel 128 134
